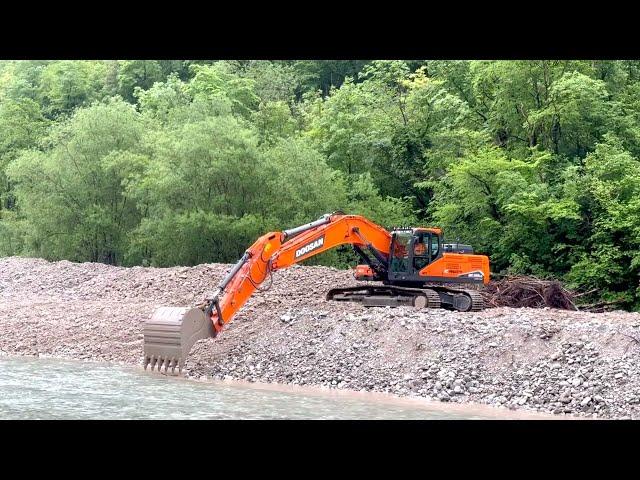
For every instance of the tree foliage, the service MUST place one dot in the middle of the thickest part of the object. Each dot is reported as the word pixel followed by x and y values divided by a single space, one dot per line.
pixel 164 162
pixel 71 191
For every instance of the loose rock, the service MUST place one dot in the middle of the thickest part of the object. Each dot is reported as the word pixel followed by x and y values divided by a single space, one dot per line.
pixel 547 360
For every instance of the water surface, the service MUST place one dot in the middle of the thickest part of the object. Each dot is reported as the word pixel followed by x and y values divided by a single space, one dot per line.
pixel 36 388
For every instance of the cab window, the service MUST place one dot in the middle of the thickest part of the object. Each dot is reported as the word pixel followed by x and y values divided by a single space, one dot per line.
pixel 400 254
pixel 435 246
pixel 421 251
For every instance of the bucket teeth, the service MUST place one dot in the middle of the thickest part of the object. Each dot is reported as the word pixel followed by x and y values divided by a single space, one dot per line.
pixel 163 365
pixel 170 334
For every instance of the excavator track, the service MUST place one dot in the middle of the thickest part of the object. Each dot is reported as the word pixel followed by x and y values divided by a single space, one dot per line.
pixel 459 299
pixel 430 297
pixel 434 298
pixel 477 301
pixel 386 296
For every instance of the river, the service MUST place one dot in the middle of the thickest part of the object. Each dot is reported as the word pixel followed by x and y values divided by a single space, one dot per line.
pixel 37 388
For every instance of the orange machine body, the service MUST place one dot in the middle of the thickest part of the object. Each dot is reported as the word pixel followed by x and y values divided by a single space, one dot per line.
pixel 448 267
pixel 456 265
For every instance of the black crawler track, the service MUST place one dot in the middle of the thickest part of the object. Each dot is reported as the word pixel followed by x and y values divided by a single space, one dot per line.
pixel 431 297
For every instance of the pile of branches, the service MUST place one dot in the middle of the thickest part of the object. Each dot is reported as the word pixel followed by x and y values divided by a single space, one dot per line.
pixel 524 291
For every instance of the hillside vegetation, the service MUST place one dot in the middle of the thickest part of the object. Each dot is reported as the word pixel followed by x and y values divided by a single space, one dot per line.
pixel 166 163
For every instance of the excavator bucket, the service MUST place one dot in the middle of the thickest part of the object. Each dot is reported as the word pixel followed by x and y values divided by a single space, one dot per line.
pixel 169 335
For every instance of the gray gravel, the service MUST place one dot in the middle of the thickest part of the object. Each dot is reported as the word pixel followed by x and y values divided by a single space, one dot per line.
pixel 547 360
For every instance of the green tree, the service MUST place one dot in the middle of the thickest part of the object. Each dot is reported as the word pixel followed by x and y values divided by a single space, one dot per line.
pixel 68 84
pixel 137 73
pixel 273 81
pixel 326 74
pixel 274 121
pixel 577 114
pixel 609 197
pixel 507 210
pixel 21 126
pixel 216 81
pixel 289 166
pixel 71 193
pixel 201 176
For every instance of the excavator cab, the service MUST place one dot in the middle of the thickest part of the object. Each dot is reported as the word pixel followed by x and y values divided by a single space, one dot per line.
pixel 416 271
pixel 411 251
pixel 399 262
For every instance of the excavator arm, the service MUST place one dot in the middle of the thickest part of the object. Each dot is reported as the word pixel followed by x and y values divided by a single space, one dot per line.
pixel 171 332
pixel 277 250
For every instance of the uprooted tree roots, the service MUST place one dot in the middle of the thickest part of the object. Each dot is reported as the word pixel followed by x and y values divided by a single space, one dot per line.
pixel 523 291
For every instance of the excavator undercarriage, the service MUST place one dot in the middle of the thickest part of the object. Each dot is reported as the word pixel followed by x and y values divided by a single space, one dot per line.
pixel 390 296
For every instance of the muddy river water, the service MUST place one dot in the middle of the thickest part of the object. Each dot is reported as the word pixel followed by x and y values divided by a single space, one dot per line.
pixel 37 388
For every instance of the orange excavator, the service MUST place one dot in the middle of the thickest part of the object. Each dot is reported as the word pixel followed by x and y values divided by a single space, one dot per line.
pixel 412 267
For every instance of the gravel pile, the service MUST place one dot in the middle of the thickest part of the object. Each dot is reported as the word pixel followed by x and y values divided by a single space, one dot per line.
pixel 548 360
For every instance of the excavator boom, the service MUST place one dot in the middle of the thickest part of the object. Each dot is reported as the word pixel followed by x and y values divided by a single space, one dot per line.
pixel 171 332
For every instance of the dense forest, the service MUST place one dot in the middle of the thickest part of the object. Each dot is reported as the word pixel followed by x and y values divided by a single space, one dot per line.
pixel 535 163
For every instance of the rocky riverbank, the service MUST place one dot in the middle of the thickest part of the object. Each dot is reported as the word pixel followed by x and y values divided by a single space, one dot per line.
pixel 547 360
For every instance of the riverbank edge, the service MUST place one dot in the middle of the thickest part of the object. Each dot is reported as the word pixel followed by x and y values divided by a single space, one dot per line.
pixel 465 408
